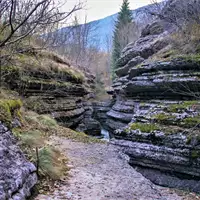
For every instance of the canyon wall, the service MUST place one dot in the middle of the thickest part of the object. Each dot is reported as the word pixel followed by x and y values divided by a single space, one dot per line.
pixel 156 114
pixel 53 86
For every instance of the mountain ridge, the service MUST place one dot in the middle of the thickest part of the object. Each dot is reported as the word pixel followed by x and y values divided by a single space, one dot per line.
pixel 105 26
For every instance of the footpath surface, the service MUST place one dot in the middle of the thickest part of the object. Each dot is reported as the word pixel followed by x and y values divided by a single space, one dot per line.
pixel 101 172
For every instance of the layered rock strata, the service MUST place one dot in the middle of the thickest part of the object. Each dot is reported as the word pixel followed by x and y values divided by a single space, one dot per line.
pixel 60 91
pixel 156 115
pixel 100 110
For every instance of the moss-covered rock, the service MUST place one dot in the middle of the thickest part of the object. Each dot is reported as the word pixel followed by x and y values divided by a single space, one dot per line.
pixel 182 106
pixel 195 154
pixel 147 128
pixel 164 118
pixel 10 109
pixel 191 122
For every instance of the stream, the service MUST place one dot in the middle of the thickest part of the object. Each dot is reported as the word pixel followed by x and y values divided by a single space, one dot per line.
pixel 105 134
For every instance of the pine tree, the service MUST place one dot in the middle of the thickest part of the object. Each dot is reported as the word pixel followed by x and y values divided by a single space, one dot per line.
pixel 121 35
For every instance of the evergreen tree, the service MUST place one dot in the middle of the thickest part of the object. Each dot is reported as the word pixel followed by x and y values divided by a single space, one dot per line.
pixel 121 35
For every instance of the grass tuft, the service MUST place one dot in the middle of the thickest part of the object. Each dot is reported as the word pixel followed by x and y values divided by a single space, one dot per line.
pixel 147 128
pixel 52 163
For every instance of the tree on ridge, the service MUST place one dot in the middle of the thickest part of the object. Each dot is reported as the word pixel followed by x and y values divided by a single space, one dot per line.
pixel 123 33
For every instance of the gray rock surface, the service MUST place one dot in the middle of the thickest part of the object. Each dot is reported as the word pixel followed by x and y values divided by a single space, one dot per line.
pixel 17 175
pixel 99 111
pixel 157 109
pixel 164 165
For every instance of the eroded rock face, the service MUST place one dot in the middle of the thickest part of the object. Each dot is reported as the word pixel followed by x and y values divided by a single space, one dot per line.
pixel 164 165
pixel 162 139
pixel 89 125
pixel 61 93
pixel 156 114
pixel 17 175
pixel 99 111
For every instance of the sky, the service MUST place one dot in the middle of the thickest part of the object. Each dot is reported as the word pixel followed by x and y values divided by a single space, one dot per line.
pixel 98 9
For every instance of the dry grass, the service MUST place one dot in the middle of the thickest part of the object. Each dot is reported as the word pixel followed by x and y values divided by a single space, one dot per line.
pixel 182 43
pixel 47 62
pixel 187 41
pixel 36 131
pixel 52 163
pixel 77 136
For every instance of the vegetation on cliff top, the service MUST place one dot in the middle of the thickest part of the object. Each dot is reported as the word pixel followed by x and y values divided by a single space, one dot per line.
pixel 47 61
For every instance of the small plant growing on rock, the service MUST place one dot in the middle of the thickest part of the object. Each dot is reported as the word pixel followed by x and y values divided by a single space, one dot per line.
pixel 147 128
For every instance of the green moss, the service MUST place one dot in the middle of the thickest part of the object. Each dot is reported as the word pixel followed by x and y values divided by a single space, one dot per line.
pixel 195 154
pixel 168 130
pixel 77 75
pixel 66 69
pixel 182 106
pixel 169 54
pixel 10 73
pixel 190 57
pixel 139 65
pixel 147 128
pixel 189 140
pixel 23 57
pixel 191 122
pixel 29 80
pixel 10 69
pixel 9 109
pixel 5 114
pixel 162 117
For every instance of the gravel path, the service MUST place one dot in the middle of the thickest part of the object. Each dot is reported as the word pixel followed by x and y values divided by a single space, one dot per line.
pixel 101 172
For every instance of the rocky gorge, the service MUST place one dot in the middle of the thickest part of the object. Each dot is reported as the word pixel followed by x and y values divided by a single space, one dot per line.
pixel 153 116
pixel 56 89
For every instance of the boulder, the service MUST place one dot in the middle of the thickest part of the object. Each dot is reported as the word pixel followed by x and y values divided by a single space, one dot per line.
pixel 17 175
pixel 155 28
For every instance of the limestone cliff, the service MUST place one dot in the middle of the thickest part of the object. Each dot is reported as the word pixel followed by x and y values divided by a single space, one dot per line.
pixel 50 84
pixel 156 114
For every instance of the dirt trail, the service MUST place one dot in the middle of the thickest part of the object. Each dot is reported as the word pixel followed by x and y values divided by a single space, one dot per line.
pixel 101 172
